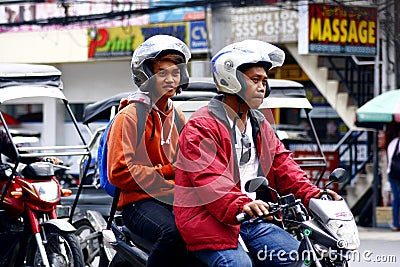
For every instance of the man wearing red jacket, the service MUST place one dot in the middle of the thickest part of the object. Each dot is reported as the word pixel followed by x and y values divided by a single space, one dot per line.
pixel 222 146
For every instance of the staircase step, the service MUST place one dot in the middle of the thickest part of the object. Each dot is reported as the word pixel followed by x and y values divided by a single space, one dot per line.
pixel 384 216
pixel 360 186
pixel 362 178
pixel 342 101
pixel 369 168
pixel 315 68
pixel 332 88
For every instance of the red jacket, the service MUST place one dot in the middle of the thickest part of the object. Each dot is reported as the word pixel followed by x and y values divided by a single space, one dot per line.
pixel 207 187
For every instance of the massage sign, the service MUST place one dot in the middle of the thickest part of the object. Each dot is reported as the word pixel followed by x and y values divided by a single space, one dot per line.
pixel 331 29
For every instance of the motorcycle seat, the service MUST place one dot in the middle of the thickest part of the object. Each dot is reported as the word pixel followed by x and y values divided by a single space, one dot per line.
pixel 39 171
pixel 139 241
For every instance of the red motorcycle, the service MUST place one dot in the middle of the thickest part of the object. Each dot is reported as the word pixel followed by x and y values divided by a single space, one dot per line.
pixel 34 228
pixel 30 232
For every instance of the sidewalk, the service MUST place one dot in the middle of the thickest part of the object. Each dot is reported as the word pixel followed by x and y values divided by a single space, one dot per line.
pixel 378 233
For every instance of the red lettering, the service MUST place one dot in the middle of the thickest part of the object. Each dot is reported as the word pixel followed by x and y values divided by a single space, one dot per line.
pixel 101 40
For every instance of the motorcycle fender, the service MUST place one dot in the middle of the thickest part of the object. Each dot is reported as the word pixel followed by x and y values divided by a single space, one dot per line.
pixel 318 234
pixel 96 220
pixel 61 224
pixel 94 217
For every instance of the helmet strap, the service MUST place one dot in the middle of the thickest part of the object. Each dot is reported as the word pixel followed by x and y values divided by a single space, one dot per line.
pixel 240 102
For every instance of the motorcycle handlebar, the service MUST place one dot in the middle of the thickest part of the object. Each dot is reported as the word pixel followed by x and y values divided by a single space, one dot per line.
pixel 274 208
pixel 326 196
pixel 243 216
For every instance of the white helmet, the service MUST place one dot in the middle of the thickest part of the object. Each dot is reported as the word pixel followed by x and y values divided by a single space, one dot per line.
pixel 152 48
pixel 226 62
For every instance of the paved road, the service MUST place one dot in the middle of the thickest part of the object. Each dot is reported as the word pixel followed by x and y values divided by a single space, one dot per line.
pixel 379 247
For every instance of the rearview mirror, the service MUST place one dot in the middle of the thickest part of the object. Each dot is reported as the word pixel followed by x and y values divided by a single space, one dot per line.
pixel 339 175
pixel 256 184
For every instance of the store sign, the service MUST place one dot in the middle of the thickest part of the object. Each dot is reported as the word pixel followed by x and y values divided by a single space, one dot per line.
pixel 122 41
pixel 198 36
pixel 177 14
pixel 111 42
pixel 265 23
pixel 331 29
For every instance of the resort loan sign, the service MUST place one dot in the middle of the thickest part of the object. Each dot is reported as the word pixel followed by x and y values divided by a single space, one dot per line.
pixel 332 29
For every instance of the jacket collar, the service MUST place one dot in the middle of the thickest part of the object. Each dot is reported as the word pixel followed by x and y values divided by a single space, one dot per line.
pixel 216 107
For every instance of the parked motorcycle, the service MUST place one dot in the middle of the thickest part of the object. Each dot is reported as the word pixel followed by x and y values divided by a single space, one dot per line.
pixel 328 236
pixel 34 230
pixel 30 231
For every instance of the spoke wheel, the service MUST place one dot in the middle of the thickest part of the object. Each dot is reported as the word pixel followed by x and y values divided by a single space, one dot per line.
pixel 62 248
pixel 91 244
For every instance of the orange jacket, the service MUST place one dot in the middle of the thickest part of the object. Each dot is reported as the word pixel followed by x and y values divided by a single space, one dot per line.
pixel 145 171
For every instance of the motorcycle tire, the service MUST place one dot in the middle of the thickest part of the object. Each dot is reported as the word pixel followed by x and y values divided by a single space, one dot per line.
pixel 91 244
pixel 62 248
pixel 119 261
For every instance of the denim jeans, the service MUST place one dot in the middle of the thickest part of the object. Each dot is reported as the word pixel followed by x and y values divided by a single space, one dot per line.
pixel 155 222
pixel 395 187
pixel 268 245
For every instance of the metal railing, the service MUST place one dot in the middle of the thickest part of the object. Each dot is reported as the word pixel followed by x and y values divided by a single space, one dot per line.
pixel 354 152
pixel 357 79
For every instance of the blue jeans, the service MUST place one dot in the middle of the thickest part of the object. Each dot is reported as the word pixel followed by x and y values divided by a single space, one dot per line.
pixel 155 222
pixel 395 187
pixel 268 245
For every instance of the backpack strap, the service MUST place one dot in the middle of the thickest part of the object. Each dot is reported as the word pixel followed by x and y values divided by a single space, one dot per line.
pixel 113 207
pixel 141 114
pixel 178 122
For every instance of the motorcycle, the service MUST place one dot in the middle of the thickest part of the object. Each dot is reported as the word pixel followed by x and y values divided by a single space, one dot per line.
pixel 30 230
pixel 129 249
pixel 328 236
pixel 34 227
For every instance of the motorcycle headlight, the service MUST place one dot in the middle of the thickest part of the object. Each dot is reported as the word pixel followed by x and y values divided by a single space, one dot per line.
pixel 47 191
pixel 346 232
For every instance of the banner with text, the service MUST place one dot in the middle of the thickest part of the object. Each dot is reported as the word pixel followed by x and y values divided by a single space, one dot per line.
pixel 332 29
pixel 266 23
pixel 122 41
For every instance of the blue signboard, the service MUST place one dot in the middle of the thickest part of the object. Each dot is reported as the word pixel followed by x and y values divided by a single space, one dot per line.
pixel 175 15
pixel 198 36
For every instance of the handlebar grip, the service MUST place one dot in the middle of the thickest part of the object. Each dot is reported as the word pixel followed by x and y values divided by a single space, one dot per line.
pixel 326 197
pixel 241 217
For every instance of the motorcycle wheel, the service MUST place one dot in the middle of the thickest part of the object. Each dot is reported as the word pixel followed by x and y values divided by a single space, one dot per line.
pixel 91 244
pixel 119 261
pixel 62 249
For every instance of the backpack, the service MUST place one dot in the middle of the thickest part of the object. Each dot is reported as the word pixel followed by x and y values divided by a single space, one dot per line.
pixel 102 150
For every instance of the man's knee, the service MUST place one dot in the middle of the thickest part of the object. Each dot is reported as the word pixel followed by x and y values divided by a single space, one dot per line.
pixel 236 260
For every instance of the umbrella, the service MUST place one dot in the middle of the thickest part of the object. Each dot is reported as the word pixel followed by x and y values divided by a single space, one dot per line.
pixel 384 108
